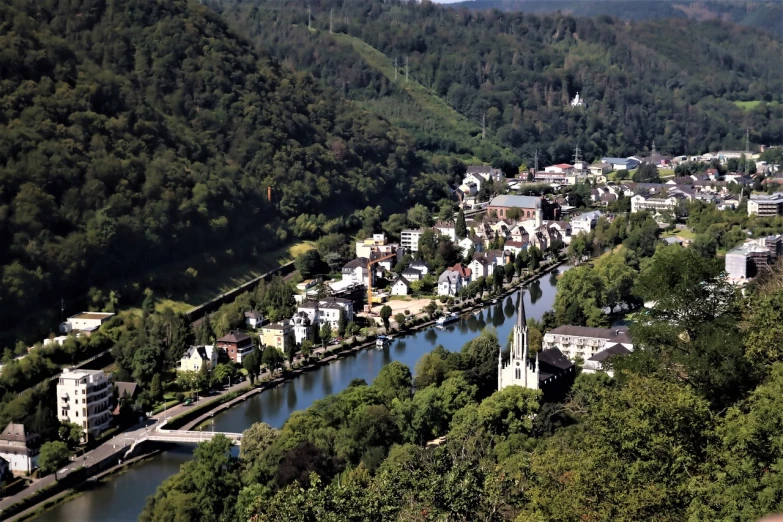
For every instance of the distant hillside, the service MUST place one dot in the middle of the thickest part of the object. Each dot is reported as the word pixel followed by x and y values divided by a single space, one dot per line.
pixel 677 83
pixel 136 132
pixel 764 15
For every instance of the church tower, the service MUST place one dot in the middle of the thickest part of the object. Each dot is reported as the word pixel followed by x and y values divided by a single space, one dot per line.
pixel 519 371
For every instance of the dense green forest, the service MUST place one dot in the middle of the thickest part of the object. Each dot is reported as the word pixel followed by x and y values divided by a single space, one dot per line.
pixel 134 133
pixel 674 81
pixel 685 430
pixel 765 15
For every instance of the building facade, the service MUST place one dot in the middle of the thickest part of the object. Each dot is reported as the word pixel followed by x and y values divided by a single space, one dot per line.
pixel 196 357
pixel 85 321
pixel 747 260
pixel 275 334
pixel 20 448
pixel 766 205
pixel 83 398
pixel 236 344
pixel 582 342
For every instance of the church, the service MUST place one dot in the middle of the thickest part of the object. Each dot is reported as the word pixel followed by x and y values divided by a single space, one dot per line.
pixel 551 372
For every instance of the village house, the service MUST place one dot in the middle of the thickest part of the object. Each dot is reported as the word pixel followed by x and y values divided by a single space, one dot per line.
pixel 197 356
pixel 421 266
pixel 466 243
pixel 20 448
pixel 449 283
pixel 85 322
pixel 275 334
pixel 356 271
pixel 463 271
pixel 253 319
pixel 597 362
pixel 411 274
pixel 401 286
pixel 599 169
pixel 560 168
pixel 447 229
pixel 584 223
pixel 478 174
pixel 302 327
pixel 236 344
pixel 327 310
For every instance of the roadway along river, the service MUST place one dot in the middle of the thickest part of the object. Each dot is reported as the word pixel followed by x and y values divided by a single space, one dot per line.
pixel 122 497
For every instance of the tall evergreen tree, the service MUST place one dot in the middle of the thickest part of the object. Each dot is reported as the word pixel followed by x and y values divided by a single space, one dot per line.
pixel 461 227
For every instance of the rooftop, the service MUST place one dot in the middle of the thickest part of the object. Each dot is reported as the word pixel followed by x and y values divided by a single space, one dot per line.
pixel 617 334
pixel 234 336
pixel 777 197
pixel 516 201
pixel 617 349
pixel 92 315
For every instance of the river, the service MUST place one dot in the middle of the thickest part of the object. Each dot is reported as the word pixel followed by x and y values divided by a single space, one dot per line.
pixel 122 497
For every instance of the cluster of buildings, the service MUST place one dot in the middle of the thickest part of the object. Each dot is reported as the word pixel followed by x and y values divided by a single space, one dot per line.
pixel 553 369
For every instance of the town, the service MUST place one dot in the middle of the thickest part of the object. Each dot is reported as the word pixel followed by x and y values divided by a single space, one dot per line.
pixel 499 232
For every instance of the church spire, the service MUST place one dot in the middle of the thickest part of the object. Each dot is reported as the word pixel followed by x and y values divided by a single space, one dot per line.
pixel 521 317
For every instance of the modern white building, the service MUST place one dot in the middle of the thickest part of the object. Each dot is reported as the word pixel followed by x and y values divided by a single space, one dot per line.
pixel 19 448
pixel 327 309
pixel 640 203
pixel 409 239
pixel 583 342
pixel 85 322
pixel 754 255
pixel 447 229
pixel 401 286
pixel 83 398
pixel 766 205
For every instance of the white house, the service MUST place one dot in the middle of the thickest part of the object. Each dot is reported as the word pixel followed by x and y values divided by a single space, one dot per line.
pixel 356 271
pixel 85 321
pixel 253 319
pixel 466 243
pixel 400 287
pixel 197 356
pixel 449 283
pixel 597 362
pixel 560 168
pixel 446 228
pixel 421 266
pixel 639 203
pixel 584 222
pixel 19 448
pixel 327 309
pixel 302 327
pixel 583 342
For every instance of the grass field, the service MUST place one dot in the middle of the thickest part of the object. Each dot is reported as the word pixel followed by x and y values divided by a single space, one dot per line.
pixel 747 105
pixel 684 234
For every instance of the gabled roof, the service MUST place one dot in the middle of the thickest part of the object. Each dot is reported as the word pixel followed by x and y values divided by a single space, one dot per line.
pixel 554 358
pixel 235 336
pixel 618 334
pixel 126 388
pixel 359 261
pixel 449 276
pixel 16 433
pixel 617 349
pixel 252 314
pixel 402 280
pixel 462 270
pixel 516 201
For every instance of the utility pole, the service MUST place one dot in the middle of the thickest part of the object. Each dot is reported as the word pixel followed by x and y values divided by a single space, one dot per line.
pixel 483 126
pixel 747 148
pixel 577 159
pixel 406 69
pixel 395 68
pixel 331 26
pixel 652 154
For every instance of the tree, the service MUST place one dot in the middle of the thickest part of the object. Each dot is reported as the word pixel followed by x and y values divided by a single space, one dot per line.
pixel 534 258
pixel 394 382
pixel 578 249
pixel 509 271
pixel 461 228
pixel 431 308
pixel 52 456
pixel 289 349
pixel 622 174
pixel 514 213
pixel 252 363
pixel 497 278
pixel 222 373
pixel 148 305
pixel 385 314
pixel 71 433
pixel 156 389
pixel 342 323
pixel 307 348
pixel 399 318
pixel 325 333
pixel 272 358
pixel 646 173
pixel 706 246
pixel 308 263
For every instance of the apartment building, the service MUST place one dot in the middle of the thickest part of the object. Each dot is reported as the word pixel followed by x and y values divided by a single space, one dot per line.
pixel 409 239
pixel 766 205
pixel 754 255
pixel 83 398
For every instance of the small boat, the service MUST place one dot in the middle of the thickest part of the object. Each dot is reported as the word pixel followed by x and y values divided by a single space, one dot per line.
pixel 446 319
pixel 382 342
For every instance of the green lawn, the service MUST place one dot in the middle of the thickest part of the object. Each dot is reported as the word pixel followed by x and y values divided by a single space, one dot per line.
pixel 747 105
pixel 684 234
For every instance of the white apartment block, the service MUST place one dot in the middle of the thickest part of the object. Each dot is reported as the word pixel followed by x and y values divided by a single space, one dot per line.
pixel 83 397
pixel 409 239
pixel 639 203
pixel 766 205
pixel 583 342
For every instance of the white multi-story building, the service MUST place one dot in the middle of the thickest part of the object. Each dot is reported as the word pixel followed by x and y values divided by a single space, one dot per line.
pixel 83 397
pixel 409 239
pixel 20 448
pixel 327 309
pixel 639 203
pixel 583 342
pixel 447 229
pixel 766 205
pixel 449 282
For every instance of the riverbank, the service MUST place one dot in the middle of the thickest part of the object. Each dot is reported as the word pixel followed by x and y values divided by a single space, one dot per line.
pixel 123 497
pixel 82 488
pixel 341 352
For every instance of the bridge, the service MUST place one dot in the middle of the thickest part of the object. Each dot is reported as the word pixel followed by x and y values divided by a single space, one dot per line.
pixel 181 437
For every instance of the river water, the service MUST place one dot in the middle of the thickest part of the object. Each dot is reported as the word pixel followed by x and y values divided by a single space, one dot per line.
pixel 122 498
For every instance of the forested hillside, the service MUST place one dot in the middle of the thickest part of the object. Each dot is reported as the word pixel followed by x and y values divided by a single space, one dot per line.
pixel 675 82
pixel 764 15
pixel 133 133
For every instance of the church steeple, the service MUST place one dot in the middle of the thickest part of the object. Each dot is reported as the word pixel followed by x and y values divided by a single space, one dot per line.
pixel 521 317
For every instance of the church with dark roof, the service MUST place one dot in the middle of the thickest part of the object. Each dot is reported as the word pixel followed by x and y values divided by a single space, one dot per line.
pixel 550 372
